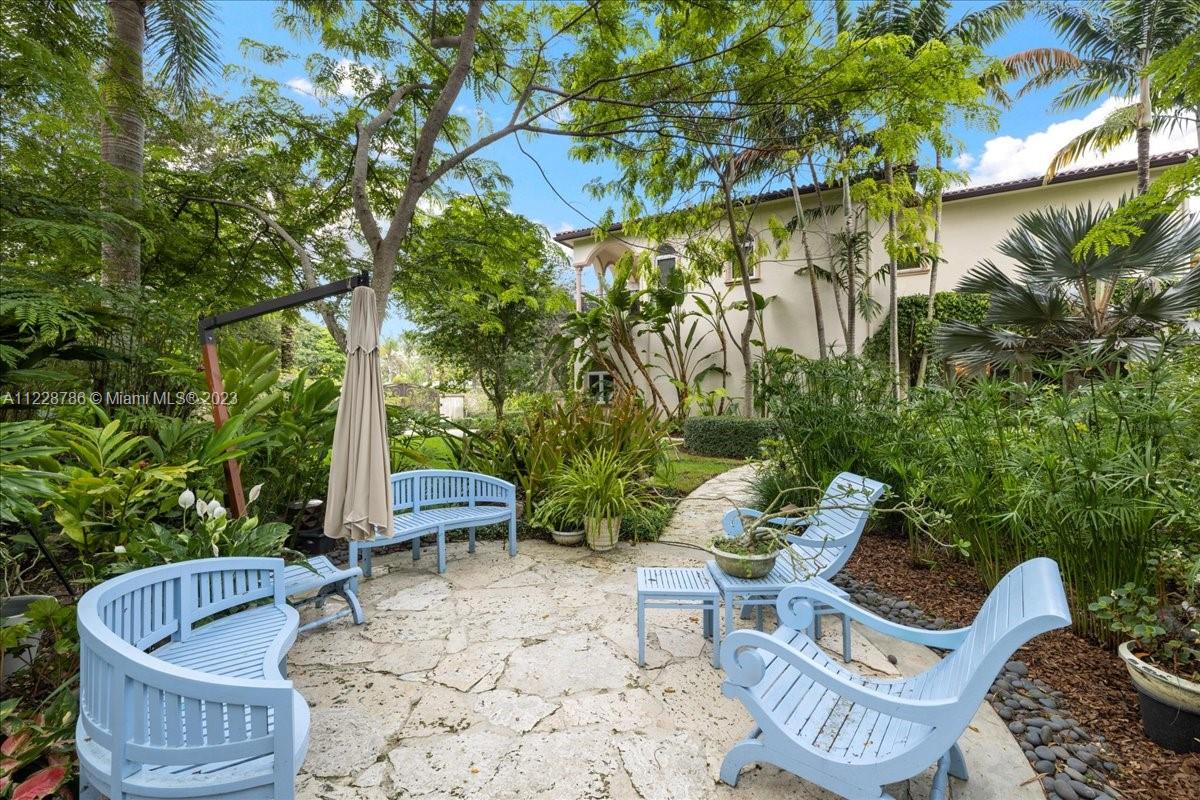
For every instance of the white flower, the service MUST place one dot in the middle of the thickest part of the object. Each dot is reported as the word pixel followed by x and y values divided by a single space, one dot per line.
pixel 202 507
pixel 216 552
pixel 216 510
pixel 187 499
pixel 254 492
pixel 119 549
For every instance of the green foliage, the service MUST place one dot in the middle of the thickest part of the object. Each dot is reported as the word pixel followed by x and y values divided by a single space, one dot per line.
pixel 480 286
pixel 38 332
pixel 1057 304
pixel 1096 475
pixel 599 484
pixel 917 332
pixel 205 531
pixel 1164 624
pixel 26 479
pixel 725 436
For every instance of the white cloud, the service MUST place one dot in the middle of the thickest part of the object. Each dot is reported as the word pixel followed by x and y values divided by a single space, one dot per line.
pixel 346 71
pixel 1006 158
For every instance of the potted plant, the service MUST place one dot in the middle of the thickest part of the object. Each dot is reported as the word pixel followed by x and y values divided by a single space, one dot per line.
pixel 566 531
pixel 752 553
pixel 599 488
pixel 1162 653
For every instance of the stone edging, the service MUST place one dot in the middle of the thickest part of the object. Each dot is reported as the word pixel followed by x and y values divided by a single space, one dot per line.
pixel 1070 762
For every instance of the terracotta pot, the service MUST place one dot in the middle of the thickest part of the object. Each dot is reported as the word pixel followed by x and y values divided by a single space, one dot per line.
pixel 743 566
pixel 602 532
pixel 1170 704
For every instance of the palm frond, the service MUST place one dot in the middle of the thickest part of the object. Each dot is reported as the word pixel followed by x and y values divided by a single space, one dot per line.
pixel 1041 66
pixel 984 277
pixel 984 26
pixel 1117 127
pixel 180 37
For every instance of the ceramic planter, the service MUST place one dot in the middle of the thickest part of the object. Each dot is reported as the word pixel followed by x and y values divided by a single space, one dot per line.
pixel 23 653
pixel 602 532
pixel 568 538
pixel 1170 704
pixel 744 566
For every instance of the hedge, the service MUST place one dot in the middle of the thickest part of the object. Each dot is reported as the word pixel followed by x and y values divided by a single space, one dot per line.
pixel 725 436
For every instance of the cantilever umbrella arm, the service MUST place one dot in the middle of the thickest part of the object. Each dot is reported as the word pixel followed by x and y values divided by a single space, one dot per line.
pixel 207 327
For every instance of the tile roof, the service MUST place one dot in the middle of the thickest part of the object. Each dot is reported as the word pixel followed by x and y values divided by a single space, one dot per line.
pixel 966 192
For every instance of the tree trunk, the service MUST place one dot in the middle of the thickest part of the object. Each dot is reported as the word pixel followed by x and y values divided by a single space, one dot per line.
pixel 837 292
pixel 747 335
pixel 923 364
pixel 818 312
pixel 851 270
pixel 1143 134
pixel 893 306
pixel 122 141
pixel 287 343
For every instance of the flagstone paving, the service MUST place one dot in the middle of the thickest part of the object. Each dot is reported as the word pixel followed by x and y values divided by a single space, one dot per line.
pixel 517 678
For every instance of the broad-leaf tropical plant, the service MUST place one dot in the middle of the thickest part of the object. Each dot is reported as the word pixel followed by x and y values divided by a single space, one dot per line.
pixel 1057 302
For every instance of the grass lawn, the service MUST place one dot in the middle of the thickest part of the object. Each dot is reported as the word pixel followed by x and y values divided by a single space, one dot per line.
pixel 687 471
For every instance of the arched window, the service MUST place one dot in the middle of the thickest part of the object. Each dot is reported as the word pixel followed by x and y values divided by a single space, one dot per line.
pixel 666 260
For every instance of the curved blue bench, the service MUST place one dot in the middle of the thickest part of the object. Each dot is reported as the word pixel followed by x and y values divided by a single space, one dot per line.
pixel 433 501
pixel 181 684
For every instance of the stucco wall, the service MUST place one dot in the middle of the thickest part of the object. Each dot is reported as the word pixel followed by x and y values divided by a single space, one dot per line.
pixel 971 229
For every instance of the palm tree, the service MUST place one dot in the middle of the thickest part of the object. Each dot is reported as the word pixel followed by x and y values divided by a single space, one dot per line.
pixel 1056 304
pixel 1112 43
pixel 177 35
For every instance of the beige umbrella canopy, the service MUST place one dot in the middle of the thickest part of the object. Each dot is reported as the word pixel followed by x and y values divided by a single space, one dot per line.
pixel 357 502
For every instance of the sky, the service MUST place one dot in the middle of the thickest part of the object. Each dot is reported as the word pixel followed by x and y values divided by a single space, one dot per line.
pixel 551 190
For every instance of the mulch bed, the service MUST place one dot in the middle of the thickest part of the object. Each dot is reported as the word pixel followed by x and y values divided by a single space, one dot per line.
pixel 1093 680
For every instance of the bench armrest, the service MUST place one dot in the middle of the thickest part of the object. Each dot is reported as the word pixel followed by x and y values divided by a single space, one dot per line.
pixel 795 608
pixel 742 660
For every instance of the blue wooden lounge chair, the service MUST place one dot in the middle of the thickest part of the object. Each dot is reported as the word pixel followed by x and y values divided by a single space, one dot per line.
pixel 820 545
pixel 433 501
pixel 852 734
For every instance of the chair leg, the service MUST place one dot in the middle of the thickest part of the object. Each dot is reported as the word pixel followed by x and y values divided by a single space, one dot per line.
pixel 729 613
pixel 441 550
pixel 958 763
pixel 744 752
pixel 847 656
pixel 641 625
pixel 471 539
pixel 816 627
pixel 714 630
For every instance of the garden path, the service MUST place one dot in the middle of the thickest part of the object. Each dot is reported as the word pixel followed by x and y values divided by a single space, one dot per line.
pixel 517 678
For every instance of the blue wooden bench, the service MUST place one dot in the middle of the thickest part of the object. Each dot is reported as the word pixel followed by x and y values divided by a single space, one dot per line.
pixel 181 684
pixel 819 546
pixel 318 581
pixel 433 501
pixel 853 734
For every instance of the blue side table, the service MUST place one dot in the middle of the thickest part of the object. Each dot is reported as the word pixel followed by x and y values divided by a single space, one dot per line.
pixel 678 587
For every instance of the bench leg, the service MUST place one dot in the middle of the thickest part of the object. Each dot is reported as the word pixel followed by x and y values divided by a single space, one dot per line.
pixel 441 550
pixel 416 548
pixel 351 597
pixel 641 625
pixel 729 613
pixel 471 539
pixel 712 630
pixel 367 562
pixel 512 534
pixel 847 656
pixel 86 790
pixel 816 627
pixel 354 561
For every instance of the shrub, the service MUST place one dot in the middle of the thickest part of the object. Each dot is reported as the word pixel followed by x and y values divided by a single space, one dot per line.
pixel 647 524
pixel 725 436
pixel 917 332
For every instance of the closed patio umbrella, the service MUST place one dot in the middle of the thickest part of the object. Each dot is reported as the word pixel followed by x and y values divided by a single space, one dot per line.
pixel 357 502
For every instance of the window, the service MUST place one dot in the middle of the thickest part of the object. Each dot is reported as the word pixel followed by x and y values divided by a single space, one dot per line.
pixel 666 261
pixel 732 273
pixel 600 386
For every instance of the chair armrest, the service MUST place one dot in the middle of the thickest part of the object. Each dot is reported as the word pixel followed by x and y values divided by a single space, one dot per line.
pixel 824 541
pixel 744 667
pixel 795 608
pixel 732 521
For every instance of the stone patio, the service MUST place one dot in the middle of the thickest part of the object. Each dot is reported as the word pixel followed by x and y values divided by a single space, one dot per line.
pixel 517 678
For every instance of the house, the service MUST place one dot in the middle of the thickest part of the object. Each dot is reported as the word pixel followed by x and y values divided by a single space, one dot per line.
pixel 974 220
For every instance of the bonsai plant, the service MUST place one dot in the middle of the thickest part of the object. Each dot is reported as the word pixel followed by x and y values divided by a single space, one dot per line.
pixel 599 488
pixel 752 552
pixel 1162 652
